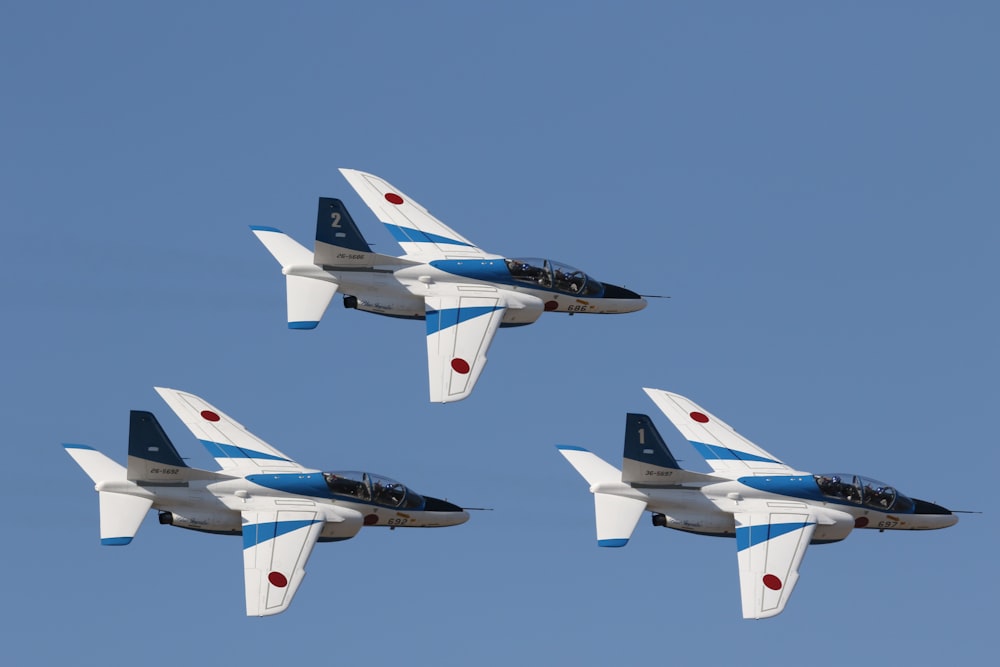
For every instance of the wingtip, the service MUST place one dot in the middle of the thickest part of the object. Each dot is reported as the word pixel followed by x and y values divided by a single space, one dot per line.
pixel 168 394
pixel 115 541
pixel 572 448
pixel 653 392
pixel 615 543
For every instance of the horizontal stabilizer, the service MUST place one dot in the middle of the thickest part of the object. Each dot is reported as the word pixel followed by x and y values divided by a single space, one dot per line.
pixel 284 248
pixel 121 516
pixel 98 466
pixel 307 296
pixel 308 299
pixel 591 467
pixel 616 518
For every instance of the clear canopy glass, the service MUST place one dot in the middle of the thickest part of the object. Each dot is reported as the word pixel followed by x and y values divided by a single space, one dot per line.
pixel 554 275
pixel 863 491
pixel 371 488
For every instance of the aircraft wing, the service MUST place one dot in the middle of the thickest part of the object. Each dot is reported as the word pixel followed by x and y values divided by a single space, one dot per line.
pixel 232 445
pixel 726 451
pixel 276 546
pixel 460 329
pixel 770 543
pixel 413 227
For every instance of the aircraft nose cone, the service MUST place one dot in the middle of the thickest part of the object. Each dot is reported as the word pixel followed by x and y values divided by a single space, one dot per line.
pixel 457 514
pixel 616 292
pixel 935 514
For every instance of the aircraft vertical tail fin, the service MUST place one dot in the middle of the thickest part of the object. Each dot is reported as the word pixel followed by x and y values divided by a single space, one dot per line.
pixel 340 244
pixel 307 297
pixel 335 233
pixel 151 455
pixel 646 459
pixel 121 513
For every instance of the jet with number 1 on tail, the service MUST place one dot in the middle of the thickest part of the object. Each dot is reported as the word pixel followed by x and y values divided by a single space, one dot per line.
pixel 462 292
pixel 281 508
pixel 773 510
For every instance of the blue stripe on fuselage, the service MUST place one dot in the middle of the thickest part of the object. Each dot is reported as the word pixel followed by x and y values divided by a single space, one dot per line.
pixel 439 320
pixel 805 488
pixel 410 235
pixel 717 452
pixel 748 536
pixel 301 484
pixel 488 270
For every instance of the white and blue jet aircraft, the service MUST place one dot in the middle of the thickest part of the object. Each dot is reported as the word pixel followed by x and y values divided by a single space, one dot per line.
pixel 279 507
pixel 463 292
pixel 773 510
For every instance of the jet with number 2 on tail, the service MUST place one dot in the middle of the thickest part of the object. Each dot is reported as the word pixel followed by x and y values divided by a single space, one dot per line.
pixel 462 292
pixel 774 511
pixel 281 508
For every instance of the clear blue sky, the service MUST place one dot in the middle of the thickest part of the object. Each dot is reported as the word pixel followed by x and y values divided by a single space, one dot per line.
pixel 814 184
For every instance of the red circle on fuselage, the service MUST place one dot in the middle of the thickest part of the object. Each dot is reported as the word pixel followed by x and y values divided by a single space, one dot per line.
pixel 277 579
pixel 393 198
pixel 460 365
pixel 551 305
pixel 699 417
pixel 861 522
pixel 772 582
pixel 371 519
pixel 210 416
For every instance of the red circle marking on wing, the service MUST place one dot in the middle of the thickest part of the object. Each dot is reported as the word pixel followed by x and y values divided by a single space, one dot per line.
pixel 393 198
pixel 699 417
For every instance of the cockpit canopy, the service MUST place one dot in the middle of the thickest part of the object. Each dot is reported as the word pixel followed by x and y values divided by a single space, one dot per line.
pixel 554 275
pixel 375 489
pixel 863 491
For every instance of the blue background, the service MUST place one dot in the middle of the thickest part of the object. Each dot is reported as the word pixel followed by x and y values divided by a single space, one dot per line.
pixel 814 185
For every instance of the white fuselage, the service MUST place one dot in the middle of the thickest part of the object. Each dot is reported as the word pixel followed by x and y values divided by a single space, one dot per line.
pixel 215 506
pixel 400 291
pixel 709 509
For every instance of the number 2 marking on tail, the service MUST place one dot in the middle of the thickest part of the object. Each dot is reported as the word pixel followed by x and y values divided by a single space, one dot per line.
pixel 335 217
